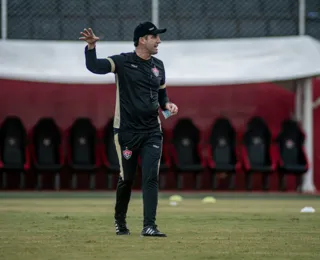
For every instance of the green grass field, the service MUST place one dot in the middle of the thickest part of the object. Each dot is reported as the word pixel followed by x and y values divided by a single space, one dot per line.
pixel 71 227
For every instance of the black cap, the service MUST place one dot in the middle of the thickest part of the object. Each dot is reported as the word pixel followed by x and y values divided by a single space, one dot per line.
pixel 146 28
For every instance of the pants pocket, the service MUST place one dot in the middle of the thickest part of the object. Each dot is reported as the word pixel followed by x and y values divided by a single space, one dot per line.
pixel 129 140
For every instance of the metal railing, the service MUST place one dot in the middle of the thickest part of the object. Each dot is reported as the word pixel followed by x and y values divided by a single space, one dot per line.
pixel 114 20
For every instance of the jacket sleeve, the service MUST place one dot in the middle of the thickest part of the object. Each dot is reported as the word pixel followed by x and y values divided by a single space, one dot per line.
pixel 163 97
pixel 98 66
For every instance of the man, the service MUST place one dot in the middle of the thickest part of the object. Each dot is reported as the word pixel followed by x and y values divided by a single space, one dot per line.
pixel 141 89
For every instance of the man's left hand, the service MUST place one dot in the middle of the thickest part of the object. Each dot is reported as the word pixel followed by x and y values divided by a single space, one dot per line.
pixel 172 108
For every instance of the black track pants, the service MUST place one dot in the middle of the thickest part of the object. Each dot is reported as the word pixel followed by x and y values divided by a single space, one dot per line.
pixel 129 146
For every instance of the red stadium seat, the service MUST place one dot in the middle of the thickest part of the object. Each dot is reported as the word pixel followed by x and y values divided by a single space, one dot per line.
pixel 185 148
pixel 47 149
pixel 258 152
pixel 292 155
pixel 83 150
pixel 14 151
pixel 222 154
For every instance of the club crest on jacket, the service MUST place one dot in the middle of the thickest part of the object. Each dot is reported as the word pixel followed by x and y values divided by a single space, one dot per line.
pixel 155 71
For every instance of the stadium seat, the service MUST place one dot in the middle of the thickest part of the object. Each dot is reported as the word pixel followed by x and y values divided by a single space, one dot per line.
pixel 292 155
pixel 15 155
pixel 82 144
pixel 108 152
pixel 258 152
pixel 185 150
pixel 222 155
pixel 47 150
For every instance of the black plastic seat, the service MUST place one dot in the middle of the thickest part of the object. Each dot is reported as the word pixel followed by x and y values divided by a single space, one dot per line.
pixel 15 155
pixel 83 149
pixel 293 158
pixel 257 152
pixel 47 149
pixel 186 152
pixel 222 151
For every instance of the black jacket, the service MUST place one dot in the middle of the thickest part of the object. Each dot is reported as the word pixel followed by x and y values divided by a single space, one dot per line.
pixel 141 89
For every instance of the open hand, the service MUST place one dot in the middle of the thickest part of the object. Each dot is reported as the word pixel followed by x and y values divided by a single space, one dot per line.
pixel 89 36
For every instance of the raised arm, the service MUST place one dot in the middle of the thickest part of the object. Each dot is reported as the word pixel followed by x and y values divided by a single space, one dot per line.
pixel 93 64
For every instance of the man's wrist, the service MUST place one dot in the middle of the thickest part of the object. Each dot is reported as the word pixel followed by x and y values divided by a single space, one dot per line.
pixel 164 107
pixel 91 46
